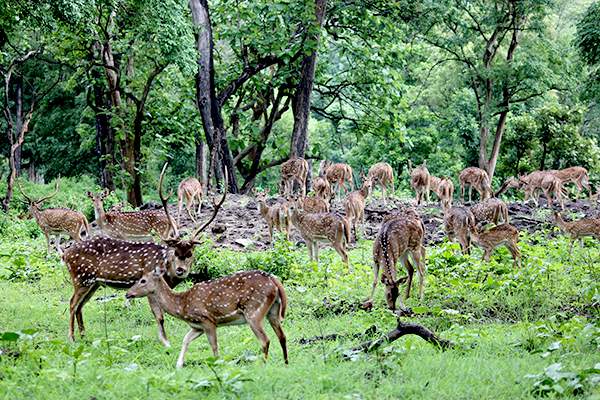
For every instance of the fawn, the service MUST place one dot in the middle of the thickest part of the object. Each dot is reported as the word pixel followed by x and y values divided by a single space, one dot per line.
pixel 459 222
pixel 276 216
pixel 355 206
pixel 578 229
pixel 504 234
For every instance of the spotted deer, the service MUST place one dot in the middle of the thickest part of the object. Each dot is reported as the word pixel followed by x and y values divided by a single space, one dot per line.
pixel 490 210
pixel 459 222
pixel 189 191
pixel 119 264
pixel 314 205
pixel 276 216
pixel 294 170
pixel 553 188
pixel 577 230
pixel 354 205
pixel 328 227
pixel 475 178
pixel 382 174
pixel 399 239
pixel 420 181
pixel 445 192
pixel 131 224
pixel 322 188
pixel 577 175
pixel 532 184
pixel 55 221
pixel 242 298
pixel 504 234
pixel 338 174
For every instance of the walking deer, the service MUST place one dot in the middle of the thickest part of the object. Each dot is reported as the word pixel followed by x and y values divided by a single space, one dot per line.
pixel 475 178
pixel 294 170
pixel 338 174
pixel 420 181
pixel 504 234
pixel 382 174
pixel 577 230
pixel 244 297
pixel 131 224
pixel 490 210
pixel 328 227
pixel 534 183
pixel 189 191
pixel 119 264
pixel 276 216
pixel 552 187
pixel 400 238
pixel 445 192
pixel 577 175
pixel 55 221
pixel 354 206
pixel 459 222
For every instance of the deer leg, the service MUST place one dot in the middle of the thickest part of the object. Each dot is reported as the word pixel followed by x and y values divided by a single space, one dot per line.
pixel 78 312
pixel 315 246
pixel 47 243
pixel 462 192
pixel 470 192
pixel 375 276
pixel 416 256
pixel 57 244
pixel 270 232
pixel 410 272
pixel 273 318
pixel 391 295
pixel 199 205
pixel 189 206
pixel 211 334
pixel 259 331
pixel 487 253
pixel 191 335
pixel 160 320
pixel 76 302
pixel 516 254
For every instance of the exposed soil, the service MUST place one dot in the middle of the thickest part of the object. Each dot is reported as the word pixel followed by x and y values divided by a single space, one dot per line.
pixel 240 226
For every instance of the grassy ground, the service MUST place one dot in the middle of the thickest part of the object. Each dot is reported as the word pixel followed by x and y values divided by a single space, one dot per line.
pixel 508 326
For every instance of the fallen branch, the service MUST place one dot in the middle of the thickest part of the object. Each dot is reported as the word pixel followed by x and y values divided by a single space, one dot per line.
pixel 335 336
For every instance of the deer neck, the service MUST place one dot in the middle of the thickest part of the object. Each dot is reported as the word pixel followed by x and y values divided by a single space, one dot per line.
pixel 262 207
pixel 99 214
pixel 364 191
pixel 169 301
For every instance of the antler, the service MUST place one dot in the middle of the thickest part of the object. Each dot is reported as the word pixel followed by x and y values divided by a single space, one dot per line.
pixel 164 200
pixel 23 193
pixel 216 206
pixel 42 199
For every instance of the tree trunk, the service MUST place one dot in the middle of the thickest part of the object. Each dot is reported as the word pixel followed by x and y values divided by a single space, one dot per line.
pixel 201 157
pixel 104 134
pixel 18 119
pixel 301 99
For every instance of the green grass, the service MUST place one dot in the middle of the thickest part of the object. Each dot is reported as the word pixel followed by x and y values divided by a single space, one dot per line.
pixel 507 324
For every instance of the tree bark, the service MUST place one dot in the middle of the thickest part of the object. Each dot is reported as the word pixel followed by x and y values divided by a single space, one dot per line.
pixel 104 133
pixel 18 119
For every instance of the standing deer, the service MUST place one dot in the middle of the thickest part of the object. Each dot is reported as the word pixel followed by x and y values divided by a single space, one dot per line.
pixel 577 175
pixel 314 205
pixel 294 170
pixel 131 224
pixel 244 297
pixel 382 174
pixel 490 210
pixel 322 189
pixel 276 216
pixel 420 181
pixel 504 234
pixel 337 174
pixel 329 227
pixel 475 178
pixel 399 238
pixel 189 191
pixel 577 230
pixel 533 183
pixel 119 264
pixel 459 222
pixel 552 187
pixel 54 221
pixel 445 191
pixel 354 206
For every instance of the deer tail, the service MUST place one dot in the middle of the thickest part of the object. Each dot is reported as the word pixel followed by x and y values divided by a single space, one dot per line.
pixel 282 297
pixel 86 227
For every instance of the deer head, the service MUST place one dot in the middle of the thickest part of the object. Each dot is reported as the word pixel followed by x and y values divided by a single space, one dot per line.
pixel 34 204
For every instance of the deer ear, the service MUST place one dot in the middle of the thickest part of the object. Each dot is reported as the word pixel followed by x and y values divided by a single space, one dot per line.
pixel 158 271
pixel 89 194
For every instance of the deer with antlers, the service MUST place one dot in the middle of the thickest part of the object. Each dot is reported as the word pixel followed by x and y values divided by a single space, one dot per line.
pixel 294 170
pixel 354 205
pixel 577 175
pixel 243 298
pixel 490 210
pixel 56 221
pixel 504 234
pixel 475 178
pixel 577 230
pixel 189 191
pixel 400 238
pixel 328 227
pixel 338 174
pixel 420 181
pixel 459 222
pixel 382 174
pixel 131 224
pixel 120 264
pixel 276 216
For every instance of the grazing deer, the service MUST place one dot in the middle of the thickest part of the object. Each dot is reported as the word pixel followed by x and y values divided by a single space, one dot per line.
pixel 276 216
pixel 382 174
pixel 131 224
pixel 445 191
pixel 490 210
pixel 533 183
pixel 322 188
pixel 294 170
pixel 355 206
pixel 189 191
pixel 119 264
pixel 398 239
pixel 578 229
pixel 314 205
pixel 328 227
pixel 337 174
pixel 577 175
pixel 244 297
pixel 475 178
pixel 54 221
pixel 504 234
pixel 420 181
pixel 459 222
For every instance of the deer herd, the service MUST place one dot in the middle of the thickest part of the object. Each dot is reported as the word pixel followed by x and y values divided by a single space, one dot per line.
pixel 121 254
